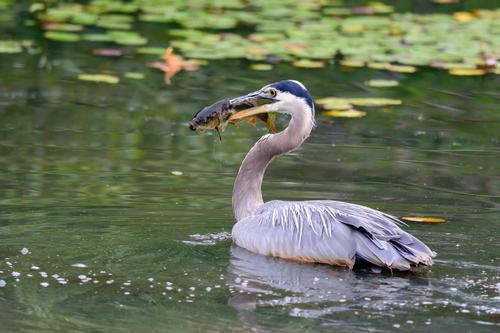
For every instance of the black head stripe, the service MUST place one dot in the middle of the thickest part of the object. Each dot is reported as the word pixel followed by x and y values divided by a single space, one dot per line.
pixel 294 88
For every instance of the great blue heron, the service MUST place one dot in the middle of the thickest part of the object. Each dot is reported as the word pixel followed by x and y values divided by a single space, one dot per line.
pixel 320 231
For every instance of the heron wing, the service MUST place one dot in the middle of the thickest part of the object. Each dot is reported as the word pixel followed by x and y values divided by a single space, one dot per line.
pixel 332 232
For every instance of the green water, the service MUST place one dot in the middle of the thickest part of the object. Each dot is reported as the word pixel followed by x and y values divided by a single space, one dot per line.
pixel 86 185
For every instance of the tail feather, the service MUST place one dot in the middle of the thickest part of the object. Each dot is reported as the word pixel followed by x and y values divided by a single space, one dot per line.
pixel 400 254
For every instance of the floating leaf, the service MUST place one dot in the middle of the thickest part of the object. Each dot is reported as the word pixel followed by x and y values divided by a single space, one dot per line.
pixel 381 83
pixel 134 75
pixel 99 78
pixel 97 38
pixel 392 68
pixel 345 114
pixel 463 16
pixel 334 103
pixel 261 67
pixel 62 36
pixel 10 46
pixel 305 63
pixel 151 50
pixel 352 27
pixel 401 68
pixel 62 26
pixel 423 219
pixel 127 37
pixel 467 72
pixel 352 63
pixel 373 101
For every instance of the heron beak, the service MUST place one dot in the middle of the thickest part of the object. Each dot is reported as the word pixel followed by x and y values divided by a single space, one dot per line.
pixel 250 105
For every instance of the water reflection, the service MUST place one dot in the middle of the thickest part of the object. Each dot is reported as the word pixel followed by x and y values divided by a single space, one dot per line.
pixel 272 281
pixel 334 293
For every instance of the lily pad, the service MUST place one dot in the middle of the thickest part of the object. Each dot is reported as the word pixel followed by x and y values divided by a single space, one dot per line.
pixel 151 50
pixel 106 78
pixel 344 114
pixel 127 37
pixel 10 46
pixel 305 63
pixel 261 67
pixel 134 75
pixel 62 36
pixel 352 63
pixel 373 101
pixel 381 83
pixel 97 38
pixel 68 27
pixel 467 72
pixel 334 103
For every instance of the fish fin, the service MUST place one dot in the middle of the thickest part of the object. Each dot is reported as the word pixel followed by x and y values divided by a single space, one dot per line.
pixel 252 121
pixel 271 122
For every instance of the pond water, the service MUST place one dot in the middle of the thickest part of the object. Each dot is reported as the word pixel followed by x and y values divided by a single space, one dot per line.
pixel 115 217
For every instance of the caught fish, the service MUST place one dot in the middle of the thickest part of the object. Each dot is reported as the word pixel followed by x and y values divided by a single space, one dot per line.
pixel 218 115
pixel 215 116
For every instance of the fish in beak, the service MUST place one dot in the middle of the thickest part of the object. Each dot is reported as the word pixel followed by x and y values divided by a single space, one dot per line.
pixel 219 114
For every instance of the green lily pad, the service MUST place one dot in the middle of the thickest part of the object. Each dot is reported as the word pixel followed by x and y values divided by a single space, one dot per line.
pixel 351 113
pixel 127 37
pixel 111 79
pixel 381 83
pixel 373 101
pixel 151 50
pixel 261 67
pixel 134 75
pixel 334 103
pixel 62 36
pixel 306 63
pixel 97 37
pixel 63 27
pixel 10 46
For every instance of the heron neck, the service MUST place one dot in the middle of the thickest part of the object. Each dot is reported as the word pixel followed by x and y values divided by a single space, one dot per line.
pixel 247 190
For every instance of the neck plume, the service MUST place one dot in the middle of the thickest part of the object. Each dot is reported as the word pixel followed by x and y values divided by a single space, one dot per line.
pixel 247 193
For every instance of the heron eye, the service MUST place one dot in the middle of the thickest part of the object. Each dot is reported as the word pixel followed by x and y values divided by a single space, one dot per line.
pixel 273 92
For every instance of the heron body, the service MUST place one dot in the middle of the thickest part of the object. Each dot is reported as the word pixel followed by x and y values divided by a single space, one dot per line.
pixel 320 231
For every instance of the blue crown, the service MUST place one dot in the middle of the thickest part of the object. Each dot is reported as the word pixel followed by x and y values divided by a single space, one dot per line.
pixel 295 88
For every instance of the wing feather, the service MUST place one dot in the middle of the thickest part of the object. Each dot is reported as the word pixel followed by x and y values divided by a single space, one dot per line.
pixel 331 232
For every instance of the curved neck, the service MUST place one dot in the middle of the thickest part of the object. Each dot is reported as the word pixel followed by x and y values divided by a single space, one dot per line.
pixel 247 193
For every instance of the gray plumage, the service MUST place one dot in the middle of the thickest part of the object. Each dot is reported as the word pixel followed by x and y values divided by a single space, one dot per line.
pixel 322 231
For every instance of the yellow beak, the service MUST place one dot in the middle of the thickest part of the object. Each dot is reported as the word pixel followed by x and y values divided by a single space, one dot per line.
pixel 249 112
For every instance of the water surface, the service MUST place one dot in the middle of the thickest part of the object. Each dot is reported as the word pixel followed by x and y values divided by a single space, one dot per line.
pixel 116 242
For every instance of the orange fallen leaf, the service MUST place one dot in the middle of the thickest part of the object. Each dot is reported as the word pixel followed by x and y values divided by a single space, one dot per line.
pixel 173 64
pixel 423 219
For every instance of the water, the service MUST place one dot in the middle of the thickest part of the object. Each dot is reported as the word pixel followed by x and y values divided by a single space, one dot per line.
pixel 98 232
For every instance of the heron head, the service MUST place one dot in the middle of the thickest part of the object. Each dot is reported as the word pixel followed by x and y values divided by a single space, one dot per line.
pixel 287 96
